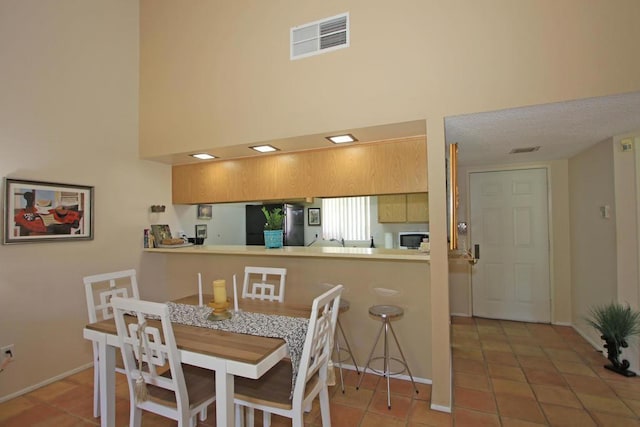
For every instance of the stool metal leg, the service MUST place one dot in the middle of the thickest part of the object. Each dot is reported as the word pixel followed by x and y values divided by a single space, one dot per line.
pixel 387 369
pixel 403 359
pixel 366 365
pixel 348 350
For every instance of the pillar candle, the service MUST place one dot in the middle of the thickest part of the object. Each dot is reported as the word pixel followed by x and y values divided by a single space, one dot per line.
pixel 219 291
pixel 235 294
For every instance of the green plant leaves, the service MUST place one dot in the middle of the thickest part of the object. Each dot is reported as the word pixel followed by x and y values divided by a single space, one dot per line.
pixel 615 322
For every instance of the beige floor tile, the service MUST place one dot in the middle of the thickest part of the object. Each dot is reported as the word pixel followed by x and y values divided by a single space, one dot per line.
pixel 563 416
pixel 517 407
pixel 515 388
pixel 506 372
pixel 574 368
pixel 477 400
pixel 468 418
pixel 605 404
pixel 476 382
pixel 556 395
pixel 543 377
pixel 609 420
pixel 469 366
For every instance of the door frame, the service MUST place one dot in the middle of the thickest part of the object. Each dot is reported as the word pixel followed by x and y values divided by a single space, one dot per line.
pixel 547 168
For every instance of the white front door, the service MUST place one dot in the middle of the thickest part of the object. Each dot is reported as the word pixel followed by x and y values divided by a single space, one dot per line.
pixel 509 223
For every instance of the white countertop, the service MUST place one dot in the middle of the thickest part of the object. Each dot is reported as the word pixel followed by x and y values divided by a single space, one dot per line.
pixel 301 251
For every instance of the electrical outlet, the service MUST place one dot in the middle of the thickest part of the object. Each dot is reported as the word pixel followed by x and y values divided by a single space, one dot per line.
pixel 7 352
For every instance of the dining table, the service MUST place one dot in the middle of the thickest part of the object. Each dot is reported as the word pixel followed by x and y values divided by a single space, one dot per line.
pixel 227 353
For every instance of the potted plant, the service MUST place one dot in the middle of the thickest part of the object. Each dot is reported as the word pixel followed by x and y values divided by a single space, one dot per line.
pixel 273 227
pixel 616 324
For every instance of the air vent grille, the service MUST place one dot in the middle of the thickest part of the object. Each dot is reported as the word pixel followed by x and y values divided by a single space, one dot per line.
pixel 524 150
pixel 319 37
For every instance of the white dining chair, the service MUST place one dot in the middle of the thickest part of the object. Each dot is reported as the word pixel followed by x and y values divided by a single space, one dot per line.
pixel 158 381
pixel 99 289
pixel 271 393
pixel 265 283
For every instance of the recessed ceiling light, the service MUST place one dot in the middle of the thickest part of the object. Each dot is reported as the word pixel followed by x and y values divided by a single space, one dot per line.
pixel 341 139
pixel 264 148
pixel 203 156
pixel 524 150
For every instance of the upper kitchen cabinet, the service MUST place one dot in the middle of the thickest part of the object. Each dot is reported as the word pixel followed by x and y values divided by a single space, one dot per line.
pixel 388 167
pixel 403 208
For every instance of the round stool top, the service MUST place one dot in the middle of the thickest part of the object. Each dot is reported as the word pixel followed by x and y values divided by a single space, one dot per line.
pixel 344 305
pixel 386 311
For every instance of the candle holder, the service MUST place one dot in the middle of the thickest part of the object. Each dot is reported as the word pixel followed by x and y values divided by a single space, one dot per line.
pixel 220 310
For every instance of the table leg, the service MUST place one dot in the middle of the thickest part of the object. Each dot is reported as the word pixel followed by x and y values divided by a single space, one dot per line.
pixel 107 370
pixel 224 399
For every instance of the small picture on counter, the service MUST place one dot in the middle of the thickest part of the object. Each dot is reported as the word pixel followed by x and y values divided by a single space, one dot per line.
pixel 314 216
pixel 201 231
pixel 204 211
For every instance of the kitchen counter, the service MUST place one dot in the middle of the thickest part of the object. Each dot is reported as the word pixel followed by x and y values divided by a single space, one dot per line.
pixel 302 251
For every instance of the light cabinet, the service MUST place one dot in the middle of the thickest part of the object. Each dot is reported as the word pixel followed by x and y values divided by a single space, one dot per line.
pixel 412 207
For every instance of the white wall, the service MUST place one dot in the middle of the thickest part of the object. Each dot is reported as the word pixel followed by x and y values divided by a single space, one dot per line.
pixel 69 114
pixel 593 238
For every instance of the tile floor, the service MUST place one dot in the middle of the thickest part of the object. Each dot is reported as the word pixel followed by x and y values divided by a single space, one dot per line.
pixel 505 374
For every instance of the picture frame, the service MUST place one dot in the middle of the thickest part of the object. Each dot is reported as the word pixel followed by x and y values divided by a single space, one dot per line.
pixel 38 211
pixel 205 211
pixel 201 231
pixel 313 216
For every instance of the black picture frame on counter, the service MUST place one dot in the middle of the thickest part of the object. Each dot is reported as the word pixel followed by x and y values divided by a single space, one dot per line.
pixel 201 231
pixel 37 211
pixel 313 216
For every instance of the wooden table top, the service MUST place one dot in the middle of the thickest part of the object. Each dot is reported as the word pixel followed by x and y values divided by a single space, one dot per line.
pixel 229 345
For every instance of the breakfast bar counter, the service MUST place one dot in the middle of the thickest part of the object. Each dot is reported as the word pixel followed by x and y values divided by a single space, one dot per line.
pixel 301 251
pixel 370 276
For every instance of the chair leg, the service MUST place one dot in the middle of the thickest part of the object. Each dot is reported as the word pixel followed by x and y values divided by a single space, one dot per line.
pixel 366 365
pixel 135 416
pixel 266 419
pixel 325 411
pixel 96 390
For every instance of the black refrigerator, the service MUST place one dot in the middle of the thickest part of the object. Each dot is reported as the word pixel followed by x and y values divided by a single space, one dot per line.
pixel 293 223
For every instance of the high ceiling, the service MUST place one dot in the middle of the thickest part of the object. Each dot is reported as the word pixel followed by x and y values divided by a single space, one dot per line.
pixel 561 130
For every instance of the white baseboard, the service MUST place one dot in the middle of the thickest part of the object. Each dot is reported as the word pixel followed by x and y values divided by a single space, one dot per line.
pixel 441 408
pixel 45 382
pixel 461 314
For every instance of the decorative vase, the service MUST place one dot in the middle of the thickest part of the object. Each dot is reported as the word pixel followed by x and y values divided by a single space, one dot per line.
pixel 273 238
pixel 613 354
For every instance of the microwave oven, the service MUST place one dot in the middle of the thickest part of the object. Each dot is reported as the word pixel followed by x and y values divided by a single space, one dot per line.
pixel 411 239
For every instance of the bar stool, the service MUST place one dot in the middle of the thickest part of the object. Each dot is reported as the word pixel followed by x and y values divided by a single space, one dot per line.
pixel 386 313
pixel 344 306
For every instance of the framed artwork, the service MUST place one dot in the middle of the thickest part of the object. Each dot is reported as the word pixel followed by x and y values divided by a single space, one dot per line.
pixel 36 211
pixel 201 231
pixel 314 216
pixel 160 232
pixel 204 211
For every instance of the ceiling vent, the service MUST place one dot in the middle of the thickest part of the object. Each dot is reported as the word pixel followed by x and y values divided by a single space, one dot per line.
pixel 524 150
pixel 319 37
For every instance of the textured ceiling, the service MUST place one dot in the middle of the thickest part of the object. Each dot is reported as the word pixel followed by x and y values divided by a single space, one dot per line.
pixel 560 129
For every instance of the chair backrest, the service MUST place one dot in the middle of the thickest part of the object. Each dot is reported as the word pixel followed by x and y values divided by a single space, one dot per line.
pixel 265 283
pixel 145 334
pixel 100 288
pixel 318 344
